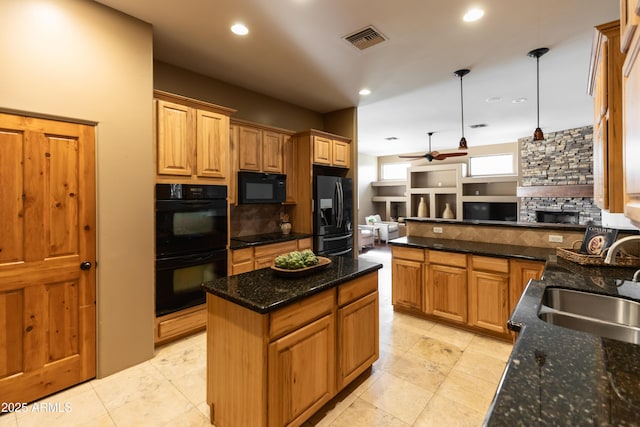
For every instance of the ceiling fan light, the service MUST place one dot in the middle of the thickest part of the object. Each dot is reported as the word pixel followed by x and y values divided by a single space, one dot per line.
pixel 463 144
pixel 538 135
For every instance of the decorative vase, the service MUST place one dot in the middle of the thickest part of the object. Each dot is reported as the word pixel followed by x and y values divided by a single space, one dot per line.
pixel 422 208
pixel 448 213
pixel 285 227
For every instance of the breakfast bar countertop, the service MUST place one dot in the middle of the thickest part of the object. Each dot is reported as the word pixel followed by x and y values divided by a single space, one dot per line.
pixel 263 291
pixel 559 376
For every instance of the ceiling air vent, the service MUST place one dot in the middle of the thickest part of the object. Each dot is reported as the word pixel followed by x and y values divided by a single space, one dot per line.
pixel 365 38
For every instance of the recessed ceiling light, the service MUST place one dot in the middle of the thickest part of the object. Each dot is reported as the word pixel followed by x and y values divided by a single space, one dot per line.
pixel 493 99
pixel 239 29
pixel 473 14
pixel 365 92
pixel 519 100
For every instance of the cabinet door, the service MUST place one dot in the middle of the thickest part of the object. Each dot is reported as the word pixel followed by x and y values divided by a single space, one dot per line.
pixel 322 148
pixel 489 301
pixel 357 338
pixel 407 284
pixel 272 152
pixel 289 154
pixel 249 148
pixel 448 292
pixel 301 372
pixel 632 131
pixel 341 154
pixel 521 273
pixel 212 142
pixel 174 136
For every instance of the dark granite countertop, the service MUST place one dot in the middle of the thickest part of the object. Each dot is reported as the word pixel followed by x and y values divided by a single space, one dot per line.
pixel 263 291
pixel 558 376
pixel 478 248
pixel 264 239
pixel 566 227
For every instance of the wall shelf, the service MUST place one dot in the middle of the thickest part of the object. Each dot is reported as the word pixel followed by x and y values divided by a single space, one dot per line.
pixel 392 195
pixel 439 185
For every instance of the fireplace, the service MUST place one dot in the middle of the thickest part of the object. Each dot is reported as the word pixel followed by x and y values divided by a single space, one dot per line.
pixel 558 216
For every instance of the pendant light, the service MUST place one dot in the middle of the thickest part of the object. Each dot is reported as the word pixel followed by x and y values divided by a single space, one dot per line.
pixel 463 140
pixel 537 53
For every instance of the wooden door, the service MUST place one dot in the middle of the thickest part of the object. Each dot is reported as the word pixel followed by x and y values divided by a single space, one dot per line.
pixel 212 142
pixel 249 148
pixel 272 152
pixel 489 301
pixel 301 372
pixel 448 291
pixel 341 154
pixel 174 134
pixel 47 230
pixel 357 338
pixel 407 283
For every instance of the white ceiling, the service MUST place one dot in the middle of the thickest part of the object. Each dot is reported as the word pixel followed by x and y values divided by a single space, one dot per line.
pixel 295 52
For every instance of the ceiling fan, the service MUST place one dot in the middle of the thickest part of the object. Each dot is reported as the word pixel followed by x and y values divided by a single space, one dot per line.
pixel 435 155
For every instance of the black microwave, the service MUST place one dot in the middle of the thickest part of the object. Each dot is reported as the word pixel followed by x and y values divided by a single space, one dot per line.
pixel 257 187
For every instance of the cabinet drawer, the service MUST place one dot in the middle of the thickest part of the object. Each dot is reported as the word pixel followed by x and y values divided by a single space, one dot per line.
pixel 275 249
pixel 239 256
pixel 498 265
pixel 448 258
pixel 295 316
pixel 357 288
pixel 408 253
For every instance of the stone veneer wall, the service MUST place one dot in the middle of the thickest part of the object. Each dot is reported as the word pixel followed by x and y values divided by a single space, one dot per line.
pixel 564 158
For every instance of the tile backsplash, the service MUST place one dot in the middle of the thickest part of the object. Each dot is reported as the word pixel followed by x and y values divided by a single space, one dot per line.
pixel 248 220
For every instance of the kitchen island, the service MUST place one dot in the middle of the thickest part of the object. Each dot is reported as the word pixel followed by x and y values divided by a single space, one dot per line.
pixel 279 348
pixel 559 376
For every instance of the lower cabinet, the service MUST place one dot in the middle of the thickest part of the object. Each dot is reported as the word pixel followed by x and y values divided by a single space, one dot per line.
pixel 408 277
pixel 447 286
pixel 489 293
pixel 254 258
pixel 279 368
pixel 477 292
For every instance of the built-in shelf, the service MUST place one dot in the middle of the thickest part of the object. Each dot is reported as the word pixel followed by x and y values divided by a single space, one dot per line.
pixel 391 194
pixel 438 185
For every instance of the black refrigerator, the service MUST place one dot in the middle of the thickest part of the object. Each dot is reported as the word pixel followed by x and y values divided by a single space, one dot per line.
pixel 333 215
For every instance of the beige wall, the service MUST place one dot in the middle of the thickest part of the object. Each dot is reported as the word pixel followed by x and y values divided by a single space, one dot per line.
pixel 81 60
pixel 250 105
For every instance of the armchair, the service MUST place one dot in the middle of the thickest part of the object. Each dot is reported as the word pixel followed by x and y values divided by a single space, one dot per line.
pixel 386 229
pixel 366 236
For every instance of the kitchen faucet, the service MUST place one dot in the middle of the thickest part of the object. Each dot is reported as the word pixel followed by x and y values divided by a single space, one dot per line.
pixel 616 247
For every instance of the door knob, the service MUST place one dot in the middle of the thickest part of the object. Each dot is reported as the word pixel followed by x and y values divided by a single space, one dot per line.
pixel 85 265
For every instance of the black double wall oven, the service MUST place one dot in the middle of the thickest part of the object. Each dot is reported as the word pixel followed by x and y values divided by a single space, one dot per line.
pixel 191 239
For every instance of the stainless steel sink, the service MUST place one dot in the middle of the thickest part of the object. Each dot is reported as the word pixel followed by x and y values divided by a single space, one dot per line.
pixel 601 315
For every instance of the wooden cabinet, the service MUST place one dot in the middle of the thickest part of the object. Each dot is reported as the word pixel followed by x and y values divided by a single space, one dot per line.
pixel 301 372
pixel 260 150
pixel 605 85
pixel 289 153
pixel 192 140
pixel 327 149
pixel 257 257
pixel 520 272
pixel 629 10
pixel 408 272
pixel 489 293
pixel 358 326
pixel 178 324
pixel 447 286
pixel 631 107
pixel 283 365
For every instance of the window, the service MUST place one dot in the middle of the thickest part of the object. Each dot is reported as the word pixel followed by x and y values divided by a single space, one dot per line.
pixel 394 171
pixel 498 164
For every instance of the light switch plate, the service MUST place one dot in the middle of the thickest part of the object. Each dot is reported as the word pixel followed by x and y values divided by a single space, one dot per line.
pixel 437 229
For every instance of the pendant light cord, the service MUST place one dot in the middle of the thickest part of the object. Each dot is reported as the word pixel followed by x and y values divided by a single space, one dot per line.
pixel 461 106
pixel 538 87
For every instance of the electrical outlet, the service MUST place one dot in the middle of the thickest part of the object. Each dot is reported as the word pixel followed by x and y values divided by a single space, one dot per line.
pixel 437 229
pixel 555 238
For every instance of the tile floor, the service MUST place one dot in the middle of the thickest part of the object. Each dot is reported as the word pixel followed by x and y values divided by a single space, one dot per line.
pixel 428 374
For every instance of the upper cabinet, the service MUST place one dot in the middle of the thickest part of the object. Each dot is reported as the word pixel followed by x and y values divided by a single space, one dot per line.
pixel 631 107
pixel 260 150
pixel 605 85
pixel 328 149
pixel 192 140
